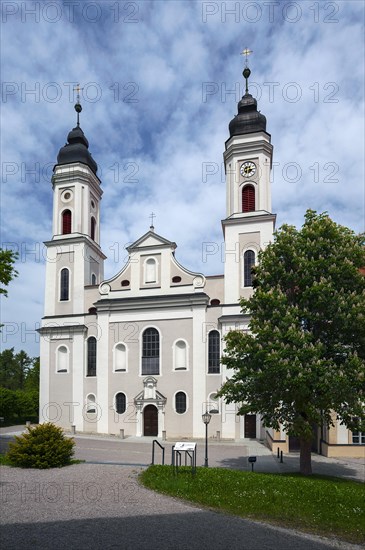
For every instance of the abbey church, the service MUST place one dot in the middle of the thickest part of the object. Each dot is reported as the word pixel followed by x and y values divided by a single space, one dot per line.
pixel 140 352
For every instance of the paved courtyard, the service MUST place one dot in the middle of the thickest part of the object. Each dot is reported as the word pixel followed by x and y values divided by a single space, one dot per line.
pixel 100 504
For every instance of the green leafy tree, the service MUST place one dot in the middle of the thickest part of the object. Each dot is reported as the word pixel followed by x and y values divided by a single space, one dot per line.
pixel 8 369
pixel 18 405
pixel 7 401
pixel 32 376
pixel 303 361
pixel 19 386
pixel 14 369
pixel 7 271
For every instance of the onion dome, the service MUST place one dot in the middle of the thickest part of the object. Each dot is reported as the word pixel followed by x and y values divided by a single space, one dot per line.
pixel 77 147
pixel 248 118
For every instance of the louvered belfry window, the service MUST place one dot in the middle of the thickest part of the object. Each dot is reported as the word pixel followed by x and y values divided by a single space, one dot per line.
pixel 66 222
pixel 248 198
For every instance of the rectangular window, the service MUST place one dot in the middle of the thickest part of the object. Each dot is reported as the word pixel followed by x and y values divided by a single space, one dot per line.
pixel 358 438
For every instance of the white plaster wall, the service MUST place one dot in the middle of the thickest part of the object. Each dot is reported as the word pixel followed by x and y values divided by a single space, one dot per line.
pixel 199 370
pixel 45 367
pixel 78 376
pixel 102 372
pixel 342 434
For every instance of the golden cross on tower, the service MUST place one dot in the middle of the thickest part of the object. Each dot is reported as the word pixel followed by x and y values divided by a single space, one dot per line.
pixel 246 71
pixel 152 215
pixel 78 90
pixel 78 107
pixel 246 52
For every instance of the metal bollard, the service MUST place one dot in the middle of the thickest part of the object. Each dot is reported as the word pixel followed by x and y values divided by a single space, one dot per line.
pixel 278 452
pixel 73 429
pixel 281 456
pixel 27 424
pixel 163 435
pixel 121 433
pixel 218 435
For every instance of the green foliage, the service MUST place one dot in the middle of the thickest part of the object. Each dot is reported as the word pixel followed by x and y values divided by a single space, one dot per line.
pixel 304 356
pixel 7 398
pixel 44 446
pixel 19 386
pixel 18 405
pixel 18 371
pixel 32 378
pixel 7 271
pixel 326 506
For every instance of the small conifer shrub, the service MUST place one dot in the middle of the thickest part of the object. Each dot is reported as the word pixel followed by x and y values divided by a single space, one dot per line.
pixel 43 446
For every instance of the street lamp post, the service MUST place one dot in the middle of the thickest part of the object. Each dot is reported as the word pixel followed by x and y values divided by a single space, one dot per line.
pixel 206 419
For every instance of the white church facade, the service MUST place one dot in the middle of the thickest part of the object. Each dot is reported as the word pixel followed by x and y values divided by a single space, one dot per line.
pixel 140 352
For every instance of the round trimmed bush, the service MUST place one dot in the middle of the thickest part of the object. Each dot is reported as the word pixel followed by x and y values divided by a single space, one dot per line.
pixel 44 446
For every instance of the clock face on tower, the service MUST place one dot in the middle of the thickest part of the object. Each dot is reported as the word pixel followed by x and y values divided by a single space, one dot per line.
pixel 248 169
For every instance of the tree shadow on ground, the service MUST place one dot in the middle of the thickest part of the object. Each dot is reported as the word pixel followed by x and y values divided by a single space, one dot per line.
pixel 197 530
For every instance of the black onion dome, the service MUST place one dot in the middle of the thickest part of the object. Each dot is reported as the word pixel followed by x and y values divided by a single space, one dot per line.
pixel 77 150
pixel 248 119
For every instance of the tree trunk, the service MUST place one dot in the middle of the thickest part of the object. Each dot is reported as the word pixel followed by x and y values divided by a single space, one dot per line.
pixel 305 456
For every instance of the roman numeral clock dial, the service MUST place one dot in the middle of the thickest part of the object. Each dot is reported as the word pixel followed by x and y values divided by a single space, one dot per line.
pixel 248 169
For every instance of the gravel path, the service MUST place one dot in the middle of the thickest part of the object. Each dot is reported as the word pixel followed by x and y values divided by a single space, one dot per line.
pixel 103 507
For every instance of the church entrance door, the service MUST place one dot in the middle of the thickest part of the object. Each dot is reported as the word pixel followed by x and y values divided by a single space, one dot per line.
pixel 250 426
pixel 150 420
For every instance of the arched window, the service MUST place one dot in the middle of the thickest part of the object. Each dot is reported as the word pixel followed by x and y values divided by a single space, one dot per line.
pixel 214 340
pixel 93 228
pixel 91 356
pixel 120 358
pixel 180 355
pixel 66 222
pixel 248 262
pixel 180 402
pixel 93 279
pixel 120 403
pixel 151 352
pixel 150 271
pixel 248 198
pixel 91 403
pixel 64 284
pixel 62 359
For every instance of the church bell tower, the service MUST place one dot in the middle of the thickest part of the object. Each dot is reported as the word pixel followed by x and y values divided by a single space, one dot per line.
pixel 249 224
pixel 74 257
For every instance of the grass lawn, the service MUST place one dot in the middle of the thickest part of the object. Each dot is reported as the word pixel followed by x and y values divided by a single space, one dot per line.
pixel 316 504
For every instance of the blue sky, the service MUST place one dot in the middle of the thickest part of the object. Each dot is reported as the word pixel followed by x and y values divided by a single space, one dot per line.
pixel 161 82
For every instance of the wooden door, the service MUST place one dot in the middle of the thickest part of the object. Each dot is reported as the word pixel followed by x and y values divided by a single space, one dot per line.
pixel 250 426
pixel 150 420
pixel 294 443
